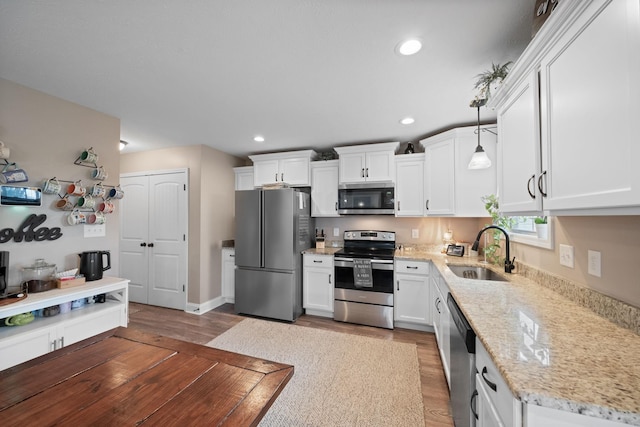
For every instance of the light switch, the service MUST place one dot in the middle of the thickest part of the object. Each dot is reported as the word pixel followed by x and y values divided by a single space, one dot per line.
pixel 95 230
pixel 566 256
pixel 415 233
pixel 336 232
pixel 595 260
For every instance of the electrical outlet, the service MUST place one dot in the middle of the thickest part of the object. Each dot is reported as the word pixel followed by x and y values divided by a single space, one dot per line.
pixel 595 260
pixel 566 256
pixel 95 230
pixel 336 232
pixel 415 233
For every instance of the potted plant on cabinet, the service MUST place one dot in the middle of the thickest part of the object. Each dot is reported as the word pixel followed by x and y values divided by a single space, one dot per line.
pixel 489 81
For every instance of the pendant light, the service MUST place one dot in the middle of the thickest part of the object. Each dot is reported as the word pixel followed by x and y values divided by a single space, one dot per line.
pixel 479 160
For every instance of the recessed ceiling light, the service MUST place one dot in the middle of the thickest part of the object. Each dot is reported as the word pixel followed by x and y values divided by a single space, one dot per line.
pixel 407 120
pixel 258 138
pixel 409 47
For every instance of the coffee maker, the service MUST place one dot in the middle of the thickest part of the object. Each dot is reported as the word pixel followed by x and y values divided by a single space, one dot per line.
pixel 4 272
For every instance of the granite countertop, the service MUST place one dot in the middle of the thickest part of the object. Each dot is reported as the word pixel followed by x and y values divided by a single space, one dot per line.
pixel 324 251
pixel 551 351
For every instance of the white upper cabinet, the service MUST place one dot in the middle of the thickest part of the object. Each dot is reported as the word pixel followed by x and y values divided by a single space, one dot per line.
pixel 367 163
pixel 587 60
pixel 244 177
pixel 519 150
pixel 291 168
pixel 450 188
pixel 410 185
pixel 324 188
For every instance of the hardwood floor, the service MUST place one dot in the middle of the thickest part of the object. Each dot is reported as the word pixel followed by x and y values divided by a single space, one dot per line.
pixel 204 328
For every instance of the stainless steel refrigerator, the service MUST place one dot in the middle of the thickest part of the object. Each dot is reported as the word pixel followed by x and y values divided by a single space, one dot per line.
pixel 273 227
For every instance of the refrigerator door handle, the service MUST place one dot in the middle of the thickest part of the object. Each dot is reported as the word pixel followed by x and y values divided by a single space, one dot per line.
pixel 261 231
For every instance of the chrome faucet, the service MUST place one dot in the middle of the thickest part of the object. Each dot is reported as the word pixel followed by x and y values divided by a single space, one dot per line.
pixel 508 263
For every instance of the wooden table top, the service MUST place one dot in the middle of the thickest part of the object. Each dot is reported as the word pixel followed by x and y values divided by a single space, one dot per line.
pixel 126 377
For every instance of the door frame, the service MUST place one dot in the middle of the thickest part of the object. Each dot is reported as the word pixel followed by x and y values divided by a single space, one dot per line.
pixel 184 171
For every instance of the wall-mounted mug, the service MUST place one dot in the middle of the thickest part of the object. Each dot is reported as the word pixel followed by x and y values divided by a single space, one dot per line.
pixel 76 189
pixel 98 190
pixel 65 204
pixel 99 173
pixel 106 207
pixel 11 174
pixel 97 218
pixel 89 156
pixel 51 186
pixel 76 217
pixel 86 202
pixel 4 151
pixel 116 193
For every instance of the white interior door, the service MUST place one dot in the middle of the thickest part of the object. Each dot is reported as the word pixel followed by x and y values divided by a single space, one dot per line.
pixel 134 236
pixel 168 235
pixel 153 243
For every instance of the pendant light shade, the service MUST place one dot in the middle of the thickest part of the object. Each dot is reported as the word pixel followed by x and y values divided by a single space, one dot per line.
pixel 479 160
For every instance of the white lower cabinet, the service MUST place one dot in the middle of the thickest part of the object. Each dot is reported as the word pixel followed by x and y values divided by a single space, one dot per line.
pixel 412 307
pixel 440 316
pixel 229 274
pixel 317 285
pixel 21 343
pixel 495 405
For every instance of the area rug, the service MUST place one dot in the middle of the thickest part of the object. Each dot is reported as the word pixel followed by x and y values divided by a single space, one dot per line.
pixel 340 379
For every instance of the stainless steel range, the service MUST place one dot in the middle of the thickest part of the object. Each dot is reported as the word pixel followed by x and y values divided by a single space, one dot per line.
pixel 364 278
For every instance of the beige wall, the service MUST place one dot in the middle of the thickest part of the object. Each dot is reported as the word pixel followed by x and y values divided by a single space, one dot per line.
pixel 211 208
pixel 617 238
pixel 46 134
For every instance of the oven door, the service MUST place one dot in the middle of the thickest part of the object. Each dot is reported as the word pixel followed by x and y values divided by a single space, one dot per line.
pixel 381 273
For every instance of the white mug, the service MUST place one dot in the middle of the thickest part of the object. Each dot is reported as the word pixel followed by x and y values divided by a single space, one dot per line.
pixel 97 218
pixel 116 193
pixel 52 186
pixel 88 156
pixel 106 207
pixel 86 201
pixel 65 204
pixel 99 173
pixel 4 151
pixel 98 190
pixel 76 189
pixel 76 217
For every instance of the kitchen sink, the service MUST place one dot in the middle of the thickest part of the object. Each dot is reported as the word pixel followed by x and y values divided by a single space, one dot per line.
pixel 476 273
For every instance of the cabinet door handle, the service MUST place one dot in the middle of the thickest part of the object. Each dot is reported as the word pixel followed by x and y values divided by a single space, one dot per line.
pixel 317 261
pixel 427 204
pixel 438 305
pixel 398 284
pixel 336 206
pixel 491 385
pixel 329 278
pixel 53 345
pixel 367 172
pixel 398 205
pixel 533 177
pixel 540 184
pixel 362 172
pixel 143 244
pixel 282 177
pixel 232 255
pixel 411 268
pixel 150 245
pixel 61 342
pixel 474 397
pixel 276 176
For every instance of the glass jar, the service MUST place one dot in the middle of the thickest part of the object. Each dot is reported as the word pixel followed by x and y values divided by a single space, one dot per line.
pixel 39 277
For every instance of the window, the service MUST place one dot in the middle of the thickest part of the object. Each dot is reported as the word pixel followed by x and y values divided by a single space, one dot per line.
pixel 525 231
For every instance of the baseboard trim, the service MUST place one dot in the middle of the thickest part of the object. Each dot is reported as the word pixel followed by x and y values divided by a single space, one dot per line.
pixel 200 309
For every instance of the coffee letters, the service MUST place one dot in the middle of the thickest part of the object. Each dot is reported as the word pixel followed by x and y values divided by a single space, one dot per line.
pixel 28 232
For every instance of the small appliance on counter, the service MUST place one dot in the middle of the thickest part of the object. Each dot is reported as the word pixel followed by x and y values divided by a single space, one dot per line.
pixel 91 265
pixel 39 277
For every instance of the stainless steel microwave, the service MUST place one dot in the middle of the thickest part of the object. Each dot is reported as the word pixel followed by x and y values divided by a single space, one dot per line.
pixel 366 199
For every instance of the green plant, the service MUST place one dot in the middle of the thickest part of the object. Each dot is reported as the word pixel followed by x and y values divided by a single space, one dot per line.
pixel 492 250
pixel 540 220
pixel 497 73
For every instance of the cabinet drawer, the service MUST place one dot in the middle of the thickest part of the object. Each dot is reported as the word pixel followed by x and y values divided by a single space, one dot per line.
pixel 412 267
pixel 504 402
pixel 228 254
pixel 318 261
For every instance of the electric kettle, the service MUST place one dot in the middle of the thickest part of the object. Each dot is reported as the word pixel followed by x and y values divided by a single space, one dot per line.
pixel 91 265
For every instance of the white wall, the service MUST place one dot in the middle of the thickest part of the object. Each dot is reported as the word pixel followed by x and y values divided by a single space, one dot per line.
pixel 46 134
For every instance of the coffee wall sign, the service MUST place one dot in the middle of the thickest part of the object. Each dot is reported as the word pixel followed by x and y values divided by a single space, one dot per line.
pixel 29 231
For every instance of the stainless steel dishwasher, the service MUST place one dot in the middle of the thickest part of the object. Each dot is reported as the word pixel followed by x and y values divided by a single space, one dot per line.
pixel 463 366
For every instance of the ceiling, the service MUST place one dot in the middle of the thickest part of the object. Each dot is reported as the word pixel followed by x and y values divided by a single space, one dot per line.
pixel 302 73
